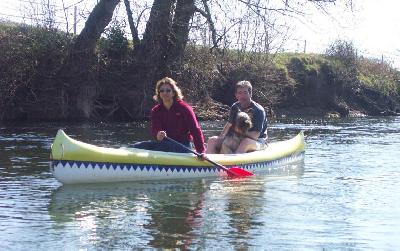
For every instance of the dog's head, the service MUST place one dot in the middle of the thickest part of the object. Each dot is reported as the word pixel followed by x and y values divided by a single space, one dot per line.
pixel 243 122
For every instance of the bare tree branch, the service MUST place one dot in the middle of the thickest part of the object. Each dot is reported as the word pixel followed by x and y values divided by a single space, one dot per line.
pixel 135 36
pixel 207 14
pixel 140 16
pixel 281 11
pixel 65 14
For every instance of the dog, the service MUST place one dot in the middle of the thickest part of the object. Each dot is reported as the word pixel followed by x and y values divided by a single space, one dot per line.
pixel 236 133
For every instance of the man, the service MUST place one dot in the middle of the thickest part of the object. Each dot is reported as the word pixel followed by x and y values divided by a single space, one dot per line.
pixel 256 136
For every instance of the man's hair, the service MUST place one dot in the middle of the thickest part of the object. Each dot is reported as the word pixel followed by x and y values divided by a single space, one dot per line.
pixel 244 84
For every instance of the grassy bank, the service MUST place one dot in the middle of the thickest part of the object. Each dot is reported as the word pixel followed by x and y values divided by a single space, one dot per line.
pixel 338 83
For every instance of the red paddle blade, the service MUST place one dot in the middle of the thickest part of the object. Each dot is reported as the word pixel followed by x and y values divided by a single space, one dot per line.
pixel 236 171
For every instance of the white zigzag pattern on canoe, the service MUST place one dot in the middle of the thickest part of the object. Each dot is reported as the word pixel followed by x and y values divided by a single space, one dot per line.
pixel 167 168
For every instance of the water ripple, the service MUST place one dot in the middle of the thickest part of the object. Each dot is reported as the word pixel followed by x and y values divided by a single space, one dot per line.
pixel 344 196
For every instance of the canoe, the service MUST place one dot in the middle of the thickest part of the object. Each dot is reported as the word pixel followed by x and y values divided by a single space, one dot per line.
pixel 73 161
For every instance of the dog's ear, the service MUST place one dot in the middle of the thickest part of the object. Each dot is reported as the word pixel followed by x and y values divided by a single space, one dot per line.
pixel 248 123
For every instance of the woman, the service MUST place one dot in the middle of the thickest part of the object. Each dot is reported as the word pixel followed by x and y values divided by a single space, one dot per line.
pixel 174 118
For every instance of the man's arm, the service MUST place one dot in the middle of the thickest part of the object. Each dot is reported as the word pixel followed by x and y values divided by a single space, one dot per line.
pixel 258 122
pixel 225 129
pixel 253 135
pixel 228 125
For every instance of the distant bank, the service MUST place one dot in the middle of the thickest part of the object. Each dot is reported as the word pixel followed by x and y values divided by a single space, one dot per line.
pixel 337 84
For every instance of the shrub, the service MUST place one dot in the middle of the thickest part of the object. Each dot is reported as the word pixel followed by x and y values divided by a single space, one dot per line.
pixel 27 54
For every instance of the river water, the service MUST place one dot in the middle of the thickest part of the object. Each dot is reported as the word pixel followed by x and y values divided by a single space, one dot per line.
pixel 346 195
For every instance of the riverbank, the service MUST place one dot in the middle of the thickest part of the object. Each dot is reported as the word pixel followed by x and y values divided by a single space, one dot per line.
pixel 111 87
pixel 310 85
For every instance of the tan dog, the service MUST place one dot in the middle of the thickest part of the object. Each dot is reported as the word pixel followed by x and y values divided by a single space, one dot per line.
pixel 236 133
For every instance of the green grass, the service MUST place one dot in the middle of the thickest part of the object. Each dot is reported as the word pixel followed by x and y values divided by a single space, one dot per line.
pixel 379 76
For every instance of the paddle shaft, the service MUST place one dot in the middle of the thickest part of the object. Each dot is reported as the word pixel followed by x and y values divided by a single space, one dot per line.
pixel 199 155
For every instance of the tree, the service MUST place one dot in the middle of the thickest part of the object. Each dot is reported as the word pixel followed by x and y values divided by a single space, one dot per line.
pixel 78 91
pixel 162 47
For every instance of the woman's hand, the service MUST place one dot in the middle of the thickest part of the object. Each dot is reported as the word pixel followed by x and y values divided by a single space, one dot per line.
pixel 161 135
pixel 202 156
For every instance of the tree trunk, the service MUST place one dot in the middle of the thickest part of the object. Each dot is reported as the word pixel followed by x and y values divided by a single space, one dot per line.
pixel 155 39
pixel 78 89
pixel 152 52
pixel 98 19
pixel 180 32
pixel 163 43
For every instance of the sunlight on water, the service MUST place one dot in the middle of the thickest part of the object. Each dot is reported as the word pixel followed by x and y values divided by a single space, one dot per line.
pixel 344 196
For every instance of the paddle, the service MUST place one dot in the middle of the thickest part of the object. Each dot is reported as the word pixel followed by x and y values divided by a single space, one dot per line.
pixel 231 171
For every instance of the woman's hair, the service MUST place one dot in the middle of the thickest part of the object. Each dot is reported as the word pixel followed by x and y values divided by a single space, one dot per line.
pixel 172 83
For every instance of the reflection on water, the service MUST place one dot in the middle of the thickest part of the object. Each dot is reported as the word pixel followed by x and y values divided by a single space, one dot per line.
pixel 159 214
pixel 245 205
pixel 343 196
